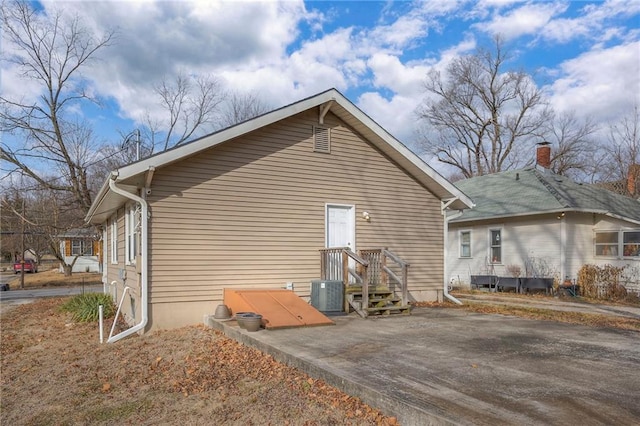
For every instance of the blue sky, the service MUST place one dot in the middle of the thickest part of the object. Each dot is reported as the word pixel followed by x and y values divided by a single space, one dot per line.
pixel 584 55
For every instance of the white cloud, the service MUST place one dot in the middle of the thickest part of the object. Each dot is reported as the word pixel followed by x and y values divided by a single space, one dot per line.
pixel 526 19
pixel 389 72
pixel 260 47
pixel 396 115
pixel 404 31
pixel 603 83
pixel 158 39
pixel 596 21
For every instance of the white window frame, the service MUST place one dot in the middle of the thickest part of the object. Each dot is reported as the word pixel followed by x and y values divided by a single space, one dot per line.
pixel 113 232
pixel 492 246
pixel 462 244
pixel 131 234
pixel 85 246
pixel 615 249
pixel 636 249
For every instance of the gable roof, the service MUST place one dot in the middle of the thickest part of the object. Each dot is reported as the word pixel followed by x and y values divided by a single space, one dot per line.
pixel 531 191
pixel 133 175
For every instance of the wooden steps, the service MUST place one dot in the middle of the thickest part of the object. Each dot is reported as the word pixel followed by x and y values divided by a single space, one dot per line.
pixel 382 301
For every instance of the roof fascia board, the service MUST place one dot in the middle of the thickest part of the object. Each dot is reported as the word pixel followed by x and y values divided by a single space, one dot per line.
pixel 540 213
pixel 615 216
pixel 95 207
pixel 97 201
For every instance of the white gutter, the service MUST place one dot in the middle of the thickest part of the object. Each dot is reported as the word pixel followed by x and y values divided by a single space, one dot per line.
pixel 446 204
pixel 143 252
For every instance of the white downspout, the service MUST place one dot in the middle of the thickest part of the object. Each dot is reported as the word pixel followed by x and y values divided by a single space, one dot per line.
pixel 446 248
pixel 143 252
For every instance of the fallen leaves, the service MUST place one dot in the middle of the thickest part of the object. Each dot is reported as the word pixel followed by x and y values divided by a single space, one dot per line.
pixel 75 373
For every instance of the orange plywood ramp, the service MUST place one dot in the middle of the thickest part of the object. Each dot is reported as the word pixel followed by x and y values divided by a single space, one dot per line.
pixel 279 308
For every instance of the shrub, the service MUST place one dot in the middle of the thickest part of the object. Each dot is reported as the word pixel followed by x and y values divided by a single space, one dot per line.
pixel 84 307
pixel 601 282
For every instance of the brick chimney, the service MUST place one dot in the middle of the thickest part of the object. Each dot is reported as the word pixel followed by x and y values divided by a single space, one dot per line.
pixel 632 180
pixel 543 155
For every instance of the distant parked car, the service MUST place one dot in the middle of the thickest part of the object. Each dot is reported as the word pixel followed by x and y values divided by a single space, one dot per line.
pixel 29 266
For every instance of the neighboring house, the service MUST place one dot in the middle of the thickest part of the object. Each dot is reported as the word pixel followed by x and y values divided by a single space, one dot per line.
pixel 540 222
pixel 251 206
pixel 82 247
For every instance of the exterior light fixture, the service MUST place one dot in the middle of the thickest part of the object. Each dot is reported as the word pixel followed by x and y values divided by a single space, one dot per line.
pixel 366 216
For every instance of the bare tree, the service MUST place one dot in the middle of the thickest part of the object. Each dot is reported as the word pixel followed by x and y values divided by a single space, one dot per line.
pixel 483 115
pixel 46 148
pixel 623 152
pixel 44 218
pixel 575 151
pixel 190 103
pixel 50 52
pixel 240 107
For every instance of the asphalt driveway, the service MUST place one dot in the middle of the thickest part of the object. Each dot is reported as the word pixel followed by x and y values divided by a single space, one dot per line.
pixel 449 366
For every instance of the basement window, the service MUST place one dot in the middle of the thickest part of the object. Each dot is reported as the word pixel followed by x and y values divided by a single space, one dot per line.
pixel 321 139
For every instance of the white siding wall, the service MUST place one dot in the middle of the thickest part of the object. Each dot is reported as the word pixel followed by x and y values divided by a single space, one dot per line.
pixel 83 264
pixel 522 239
pixel 533 237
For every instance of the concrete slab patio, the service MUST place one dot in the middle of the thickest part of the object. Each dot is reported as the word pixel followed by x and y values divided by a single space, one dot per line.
pixel 449 366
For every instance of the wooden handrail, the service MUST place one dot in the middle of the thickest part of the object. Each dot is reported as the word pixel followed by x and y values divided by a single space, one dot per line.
pixel 395 258
pixel 404 266
pixel 335 266
pixel 355 257
pixel 346 254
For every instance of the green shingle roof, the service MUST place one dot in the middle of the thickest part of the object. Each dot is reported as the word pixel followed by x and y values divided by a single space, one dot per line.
pixel 532 191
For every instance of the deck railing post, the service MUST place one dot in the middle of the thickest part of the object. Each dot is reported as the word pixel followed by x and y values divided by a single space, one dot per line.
pixel 345 278
pixel 345 268
pixel 405 290
pixel 323 264
pixel 384 277
pixel 365 287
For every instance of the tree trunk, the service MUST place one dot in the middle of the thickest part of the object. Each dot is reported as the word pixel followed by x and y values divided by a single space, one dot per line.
pixel 67 269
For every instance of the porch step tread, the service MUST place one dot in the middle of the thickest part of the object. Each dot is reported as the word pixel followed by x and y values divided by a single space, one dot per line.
pixel 384 299
pixel 373 294
pixel 388 310
pixel 372 289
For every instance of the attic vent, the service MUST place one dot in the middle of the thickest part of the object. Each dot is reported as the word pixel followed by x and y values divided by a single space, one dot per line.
pixel 321 139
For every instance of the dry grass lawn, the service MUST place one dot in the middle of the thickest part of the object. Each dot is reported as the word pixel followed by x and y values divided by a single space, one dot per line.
pixel 594 320
pixel 53 278
pixel 54 372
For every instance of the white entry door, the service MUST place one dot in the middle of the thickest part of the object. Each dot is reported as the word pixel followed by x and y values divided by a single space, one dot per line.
pixel 340 226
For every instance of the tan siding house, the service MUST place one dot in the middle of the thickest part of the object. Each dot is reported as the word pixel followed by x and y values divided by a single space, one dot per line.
pixel 251 206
